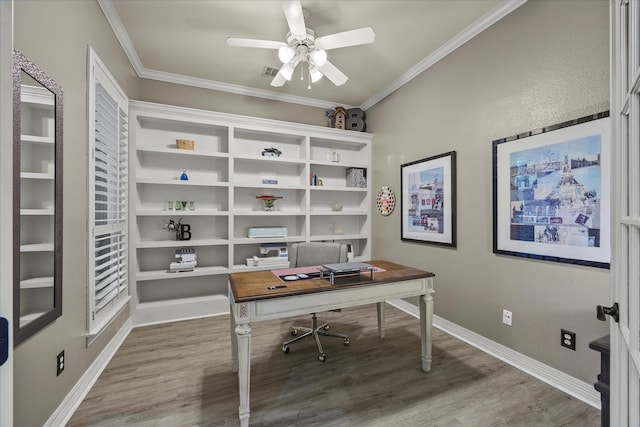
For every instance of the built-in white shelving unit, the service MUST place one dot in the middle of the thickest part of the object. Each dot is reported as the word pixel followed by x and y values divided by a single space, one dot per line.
pixel 226 171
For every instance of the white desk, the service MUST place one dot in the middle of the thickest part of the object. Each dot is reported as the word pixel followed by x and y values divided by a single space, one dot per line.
pixel 252 301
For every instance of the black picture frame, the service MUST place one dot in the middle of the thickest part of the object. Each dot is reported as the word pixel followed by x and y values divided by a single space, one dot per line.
pixel 428 200
pixel 551 193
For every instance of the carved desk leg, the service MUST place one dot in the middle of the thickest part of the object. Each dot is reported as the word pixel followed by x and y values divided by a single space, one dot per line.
pixel 426 321
pixel 243 333
pixel 381 318
pixel 234 339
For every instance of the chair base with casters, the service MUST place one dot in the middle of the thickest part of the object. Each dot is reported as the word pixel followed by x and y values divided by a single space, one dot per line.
pixel 314 331
pixel 311 254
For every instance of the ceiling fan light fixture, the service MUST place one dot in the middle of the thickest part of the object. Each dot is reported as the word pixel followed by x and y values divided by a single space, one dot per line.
pixel 286 54
pixel 315 74
pixel 319 57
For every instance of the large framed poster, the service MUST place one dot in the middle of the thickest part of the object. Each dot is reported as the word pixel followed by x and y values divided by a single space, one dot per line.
pixel 428 201
pixel 551 193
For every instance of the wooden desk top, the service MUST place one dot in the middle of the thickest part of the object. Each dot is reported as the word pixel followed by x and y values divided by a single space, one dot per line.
pixel 253 285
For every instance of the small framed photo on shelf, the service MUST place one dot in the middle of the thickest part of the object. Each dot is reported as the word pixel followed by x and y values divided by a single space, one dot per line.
pixel 551 193
pixel 428 200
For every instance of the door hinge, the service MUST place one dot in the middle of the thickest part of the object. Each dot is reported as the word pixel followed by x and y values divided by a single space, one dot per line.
pixel 602 312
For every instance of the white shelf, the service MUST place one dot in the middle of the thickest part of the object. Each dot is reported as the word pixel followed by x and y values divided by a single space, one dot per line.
pixel 258 240
pixel 180 152
pixel 35 139
pixel 173 212
pixel 146 244
pixel 37 282
pixel 37 212
pixel 343 189
pixel 37 247
pixel 329 212
pixel 30 317
pixel 270 187
pixel 270 159
pixel 241 212
pixel 344 165
pixel 190 182
pixel 164 274
pixel 226 170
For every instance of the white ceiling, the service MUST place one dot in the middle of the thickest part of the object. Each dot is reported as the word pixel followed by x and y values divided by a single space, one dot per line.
pixel 184 41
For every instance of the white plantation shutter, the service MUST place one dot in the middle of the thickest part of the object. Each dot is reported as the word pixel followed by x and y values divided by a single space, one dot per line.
pixel 108 196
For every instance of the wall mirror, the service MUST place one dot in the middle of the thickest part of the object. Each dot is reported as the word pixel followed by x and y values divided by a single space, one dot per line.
pixel 37 199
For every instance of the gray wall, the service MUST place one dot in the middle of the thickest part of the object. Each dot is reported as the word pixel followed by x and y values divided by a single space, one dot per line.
pixel 55 35
pixel 543 64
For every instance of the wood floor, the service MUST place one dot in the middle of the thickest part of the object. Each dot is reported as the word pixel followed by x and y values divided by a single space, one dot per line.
pixel 179 374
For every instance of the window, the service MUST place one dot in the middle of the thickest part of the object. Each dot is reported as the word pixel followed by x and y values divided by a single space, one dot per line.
pixel 108 280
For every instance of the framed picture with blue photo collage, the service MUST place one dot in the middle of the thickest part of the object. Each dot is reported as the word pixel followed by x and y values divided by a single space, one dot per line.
pixel 428 200
pixel 551 193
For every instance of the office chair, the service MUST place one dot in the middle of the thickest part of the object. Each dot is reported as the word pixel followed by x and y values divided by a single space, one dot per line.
pixel 308 254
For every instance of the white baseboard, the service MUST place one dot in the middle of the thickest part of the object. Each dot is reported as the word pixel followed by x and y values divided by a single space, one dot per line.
pixel 558 379
pixel 74 398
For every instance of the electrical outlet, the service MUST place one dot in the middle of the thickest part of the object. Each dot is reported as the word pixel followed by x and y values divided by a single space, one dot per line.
pixel 568 339
pixel 60 363
pixel 507 317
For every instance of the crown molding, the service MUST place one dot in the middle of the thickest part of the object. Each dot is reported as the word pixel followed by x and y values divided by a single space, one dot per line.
pixel 236 89
pixel 461 38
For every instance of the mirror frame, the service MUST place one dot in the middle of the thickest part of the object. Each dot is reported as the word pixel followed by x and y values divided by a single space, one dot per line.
pixel 22 64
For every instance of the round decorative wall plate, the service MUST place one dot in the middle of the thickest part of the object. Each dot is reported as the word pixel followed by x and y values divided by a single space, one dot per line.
pixel 386 200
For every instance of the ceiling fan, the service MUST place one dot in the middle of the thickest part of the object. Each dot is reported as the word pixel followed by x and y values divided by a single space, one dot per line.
pixel 303 45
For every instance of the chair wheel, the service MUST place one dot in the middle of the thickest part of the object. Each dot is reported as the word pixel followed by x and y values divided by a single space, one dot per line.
pixel 346 341
pixel 322 357
pixel 285 349
pixel 326 327
pixel 294 332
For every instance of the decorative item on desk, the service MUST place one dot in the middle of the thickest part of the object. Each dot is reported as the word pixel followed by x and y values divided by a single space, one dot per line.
pixel 185 144
pixel 269 202
pixel 271 152
pixel 184 176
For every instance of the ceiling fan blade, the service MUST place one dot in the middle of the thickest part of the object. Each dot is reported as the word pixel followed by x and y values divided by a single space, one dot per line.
pixel 360 36
pixel 263 44
pixel 332 73
pixel 278 80
pixel 284 75
pixel 295 18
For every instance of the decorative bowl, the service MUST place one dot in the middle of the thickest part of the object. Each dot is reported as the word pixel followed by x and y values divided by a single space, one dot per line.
pixel 336 206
